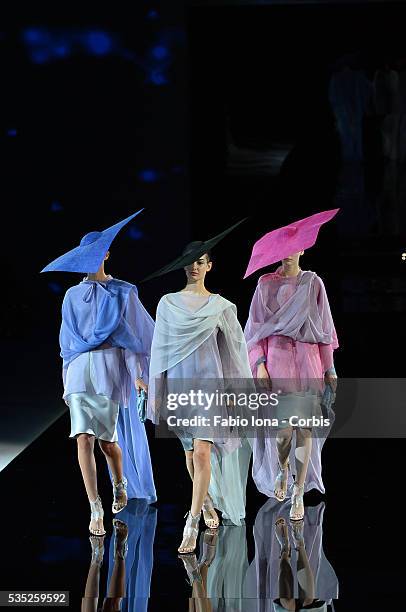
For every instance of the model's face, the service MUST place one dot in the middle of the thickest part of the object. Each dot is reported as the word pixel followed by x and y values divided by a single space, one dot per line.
pixel 198 269
pixel 292 260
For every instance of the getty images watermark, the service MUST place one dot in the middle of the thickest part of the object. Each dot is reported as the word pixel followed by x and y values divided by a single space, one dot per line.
pixel 198 402
pixel 207 408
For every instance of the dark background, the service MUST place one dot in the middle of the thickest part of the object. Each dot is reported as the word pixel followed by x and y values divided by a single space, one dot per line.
pixel 89 136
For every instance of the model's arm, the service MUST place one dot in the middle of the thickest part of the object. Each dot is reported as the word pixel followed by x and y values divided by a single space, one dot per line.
pixel 327 350
pixel 63 343
pixel 257 350
pixel 140 326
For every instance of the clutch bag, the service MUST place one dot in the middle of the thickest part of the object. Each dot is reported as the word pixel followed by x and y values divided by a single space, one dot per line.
pixel 142 405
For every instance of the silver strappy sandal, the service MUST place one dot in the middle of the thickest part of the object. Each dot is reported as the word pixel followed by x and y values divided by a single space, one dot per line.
pixel 190 533
pixel 120 495
pixel 210 517
pixel 96 510
pixel 297 509
pixel 281 481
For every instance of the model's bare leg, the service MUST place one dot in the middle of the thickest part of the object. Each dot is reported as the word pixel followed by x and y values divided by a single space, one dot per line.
pixel 210 516
pixel 91 596
pixel 285 578
pixel 201 480
pixel 87 464
pixel 116 588
pixel 283 445
pixel 207 556
pixel 113 455
pixel 197 576
pixel 305 575
pixel 89 473
pixel 302 453
pixel 189 463
pixel 202 472
pixel 302 457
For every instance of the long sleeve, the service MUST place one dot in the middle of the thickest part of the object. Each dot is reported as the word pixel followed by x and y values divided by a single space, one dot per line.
pixel 326 356
pixel 258 354
pixel 233 346
pixel 257 351
pixel 140 326
pixel 326 350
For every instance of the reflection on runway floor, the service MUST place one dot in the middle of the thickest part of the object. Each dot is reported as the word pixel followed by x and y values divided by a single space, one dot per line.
pixel 135 567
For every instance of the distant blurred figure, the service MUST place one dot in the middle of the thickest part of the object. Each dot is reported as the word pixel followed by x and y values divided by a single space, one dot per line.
pixel 401 70
pixel 351 96
pixel 387 106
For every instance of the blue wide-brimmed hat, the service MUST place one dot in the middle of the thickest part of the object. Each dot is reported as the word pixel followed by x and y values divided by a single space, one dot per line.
pixel 88 256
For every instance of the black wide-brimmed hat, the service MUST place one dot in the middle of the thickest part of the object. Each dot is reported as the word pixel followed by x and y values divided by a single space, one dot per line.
pixel 190 256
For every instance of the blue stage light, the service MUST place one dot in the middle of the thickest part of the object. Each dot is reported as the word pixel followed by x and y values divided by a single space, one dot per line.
pixel 35 36
pixel 61 50
pixel 98 42
pixel 40 56
pixel 56 207
pixel 55 288
pixel 12 132
pixel 160 52
pixel 134 233
pixel 148 176
pixel 156 77
pixel 153 14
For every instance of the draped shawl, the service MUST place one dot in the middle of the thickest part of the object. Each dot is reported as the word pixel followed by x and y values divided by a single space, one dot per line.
pixel 305 316
pixel 94 313
pixel 178 333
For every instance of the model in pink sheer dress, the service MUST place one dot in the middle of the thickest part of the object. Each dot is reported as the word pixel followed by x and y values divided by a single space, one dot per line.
pixel 291 338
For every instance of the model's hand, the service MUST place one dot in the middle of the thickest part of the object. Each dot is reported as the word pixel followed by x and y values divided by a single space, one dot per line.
pixel 331 379
pixel 139 384
pixel 262 372
pixel 263 376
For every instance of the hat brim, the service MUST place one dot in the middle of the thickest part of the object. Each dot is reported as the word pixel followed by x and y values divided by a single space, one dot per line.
pixel 88 258
pixel 276 245
pixel 189 258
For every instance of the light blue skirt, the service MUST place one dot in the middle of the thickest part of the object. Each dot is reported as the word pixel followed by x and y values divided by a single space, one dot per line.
pixel 91 413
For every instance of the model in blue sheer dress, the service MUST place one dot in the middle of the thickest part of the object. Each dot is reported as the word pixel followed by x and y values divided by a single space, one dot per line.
pixel 105 341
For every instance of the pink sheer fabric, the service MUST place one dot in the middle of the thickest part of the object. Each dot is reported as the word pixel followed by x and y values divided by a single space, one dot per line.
pixel 290 328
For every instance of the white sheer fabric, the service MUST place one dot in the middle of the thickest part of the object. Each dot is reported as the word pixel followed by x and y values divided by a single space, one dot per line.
pixel 199 337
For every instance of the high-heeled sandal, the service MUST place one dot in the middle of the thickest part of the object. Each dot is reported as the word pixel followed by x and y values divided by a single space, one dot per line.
pixel 97 544
pixel 296 512
pixel 96 513
pixel 281 479
pixel 192 568
pixel 297 528
pixel 190 533
pixel 120 495
pixel 209 546
pixel 120 539
pixel 282 535
pixel 210 517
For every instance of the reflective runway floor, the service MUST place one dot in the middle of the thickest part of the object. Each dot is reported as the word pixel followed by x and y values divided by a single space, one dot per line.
pixel 350 551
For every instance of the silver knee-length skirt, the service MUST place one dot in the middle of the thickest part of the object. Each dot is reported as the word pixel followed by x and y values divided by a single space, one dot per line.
pixel 93 413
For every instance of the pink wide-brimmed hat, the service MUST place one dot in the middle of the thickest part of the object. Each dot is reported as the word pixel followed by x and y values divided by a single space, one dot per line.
pixel 287 240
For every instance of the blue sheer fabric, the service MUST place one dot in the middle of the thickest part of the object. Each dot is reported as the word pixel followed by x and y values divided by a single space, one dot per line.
pixel 141 522
pixel 111 314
